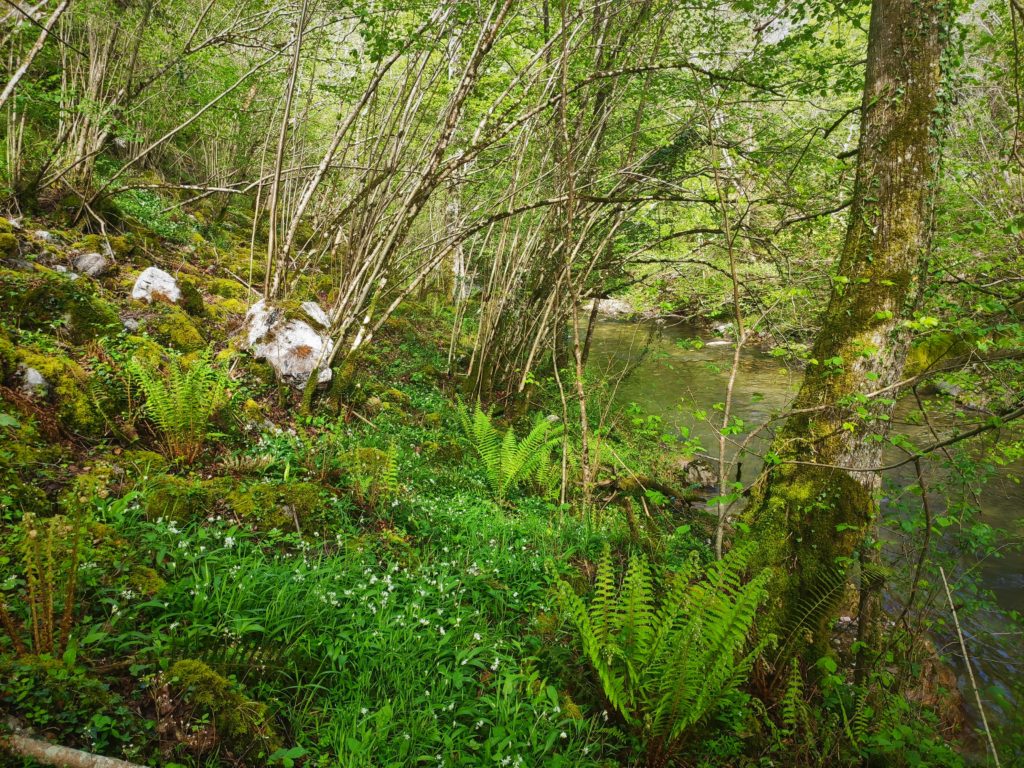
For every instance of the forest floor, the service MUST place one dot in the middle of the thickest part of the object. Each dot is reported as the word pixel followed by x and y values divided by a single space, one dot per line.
pixel 336 585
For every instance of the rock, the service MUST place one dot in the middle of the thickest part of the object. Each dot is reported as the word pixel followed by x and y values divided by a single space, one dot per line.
pixel 42 234
pixel 290 345
pixel 65 271
pixel 93 264
pixel 33 383
pixel 696 471
pixel 316 314
pixel 613 308
pixel 130 324
pixel 156 285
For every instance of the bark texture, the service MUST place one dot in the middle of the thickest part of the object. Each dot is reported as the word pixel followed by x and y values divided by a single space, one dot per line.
pixel 810 512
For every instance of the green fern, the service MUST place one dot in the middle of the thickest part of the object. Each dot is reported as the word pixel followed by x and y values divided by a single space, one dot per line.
pixel 510 463
pixel 373 475
pixel 181 400
pixel 666 665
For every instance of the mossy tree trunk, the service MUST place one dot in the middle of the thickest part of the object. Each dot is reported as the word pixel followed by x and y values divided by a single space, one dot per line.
pixel 811 509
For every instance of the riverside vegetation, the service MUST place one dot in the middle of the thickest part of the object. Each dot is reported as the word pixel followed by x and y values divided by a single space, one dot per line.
pixel 304 460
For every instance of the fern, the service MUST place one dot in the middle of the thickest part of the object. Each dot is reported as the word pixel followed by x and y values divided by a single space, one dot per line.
pixel 373 475
pixel 667 665
pixel 180 401
pixel 510 463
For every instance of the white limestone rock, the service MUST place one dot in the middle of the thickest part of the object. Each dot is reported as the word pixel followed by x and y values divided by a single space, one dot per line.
pixel 292 346
pixel 156 285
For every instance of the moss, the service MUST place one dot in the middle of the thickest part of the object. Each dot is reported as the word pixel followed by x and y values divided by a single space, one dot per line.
pixel 222 309
pixel 48 301
pixel 278 505
pixel 23 455
pixel 70 391
pixel 8 358
pixel 176 498
pixel 5 226
pixel 396 396
pixel 807 522
pixel 238 721
pixel 227 289
pixel 191 299
pixel 145 581
pixel 931 350
pixel 120 246
pixel 175 329
pixel 8 244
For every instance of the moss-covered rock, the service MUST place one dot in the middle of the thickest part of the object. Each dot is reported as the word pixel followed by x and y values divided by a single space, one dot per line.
pixel 242 725
pixel 929 352
pixel 222 309
pixel 278 505
pixel 50 301
pixel 177 498
pixel 70 391
pixel 8 244
pixel 173 328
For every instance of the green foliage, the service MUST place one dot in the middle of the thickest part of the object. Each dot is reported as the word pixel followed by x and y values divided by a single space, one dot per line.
pixel 508 462
pixel 667 665
pixel 181 399
pixel 147 208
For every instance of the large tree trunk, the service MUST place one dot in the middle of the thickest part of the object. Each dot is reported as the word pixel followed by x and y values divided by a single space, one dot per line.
pixel 812 507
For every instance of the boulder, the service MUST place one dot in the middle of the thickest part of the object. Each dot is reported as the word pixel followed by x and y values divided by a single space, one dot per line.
pixel 32 382
pixel 156 285
pixel 93 264
pixel 288 342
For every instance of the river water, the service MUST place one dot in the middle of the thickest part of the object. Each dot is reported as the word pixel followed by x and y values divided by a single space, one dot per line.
pixel 672 380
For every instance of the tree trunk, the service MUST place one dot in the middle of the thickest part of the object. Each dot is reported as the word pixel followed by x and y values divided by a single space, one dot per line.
pixel 812 507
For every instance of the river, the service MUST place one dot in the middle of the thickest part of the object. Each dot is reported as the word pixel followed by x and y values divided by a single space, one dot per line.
pixel 673 379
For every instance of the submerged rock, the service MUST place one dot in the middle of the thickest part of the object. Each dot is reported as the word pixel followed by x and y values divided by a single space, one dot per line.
pixel 156 285
pixel 93 264
pixel 288 342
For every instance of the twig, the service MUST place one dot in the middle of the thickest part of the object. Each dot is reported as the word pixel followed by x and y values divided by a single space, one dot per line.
pixel 970 669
